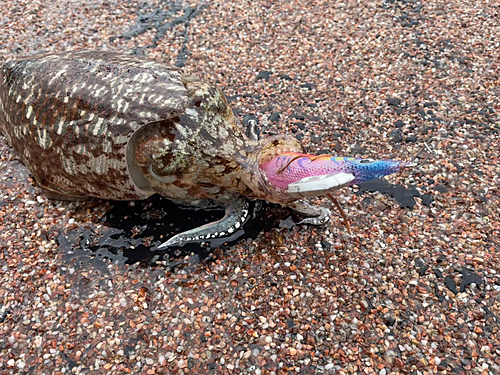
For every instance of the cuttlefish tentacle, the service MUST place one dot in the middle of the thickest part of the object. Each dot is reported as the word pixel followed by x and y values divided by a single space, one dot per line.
pixel 236 214
pixel 341 211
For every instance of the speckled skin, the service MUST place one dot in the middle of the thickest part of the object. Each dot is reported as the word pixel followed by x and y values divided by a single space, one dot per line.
pixel 120 127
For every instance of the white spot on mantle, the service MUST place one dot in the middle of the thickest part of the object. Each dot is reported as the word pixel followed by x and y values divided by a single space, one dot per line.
pixel 30 111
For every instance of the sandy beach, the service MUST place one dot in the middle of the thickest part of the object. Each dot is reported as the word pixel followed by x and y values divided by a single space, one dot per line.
pixel 414 290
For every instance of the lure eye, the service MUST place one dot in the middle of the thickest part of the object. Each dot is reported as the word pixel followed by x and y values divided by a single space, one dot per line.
pixel 366 161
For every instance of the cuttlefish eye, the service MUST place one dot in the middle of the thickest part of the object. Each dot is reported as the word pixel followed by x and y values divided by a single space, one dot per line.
pixel 366 161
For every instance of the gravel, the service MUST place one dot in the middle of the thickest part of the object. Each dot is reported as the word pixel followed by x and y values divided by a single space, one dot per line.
pixel 414 290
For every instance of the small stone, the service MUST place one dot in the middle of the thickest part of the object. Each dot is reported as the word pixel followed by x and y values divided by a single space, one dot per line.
pixel 286 77
pixel 395 102
pixel 396 136
pixel 38 341
pixel 264 75
pixel 275 117
pixel 398 362
pixel 399 124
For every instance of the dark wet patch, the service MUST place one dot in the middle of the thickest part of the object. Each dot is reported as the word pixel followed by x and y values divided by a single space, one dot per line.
pixel 404 196
pixel 450 284
pixel 3 314
pixel 309 86
pixel 438 273
pixel 441 188
pixel 438 293
pixel 389 319
pixel 469 277
pixel 265 75
pixel 394 102
pixel 71 364
pixel 299 116
pixel 421 266
pixel 168 15
pixel 396 136
pixel 128 234
pixel 399 124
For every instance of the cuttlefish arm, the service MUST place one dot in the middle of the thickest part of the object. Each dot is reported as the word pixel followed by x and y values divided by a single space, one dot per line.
pixel 235 216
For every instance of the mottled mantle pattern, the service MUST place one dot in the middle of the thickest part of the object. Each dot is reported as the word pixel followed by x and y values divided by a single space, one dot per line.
pixel 78 122
pixel 68 127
